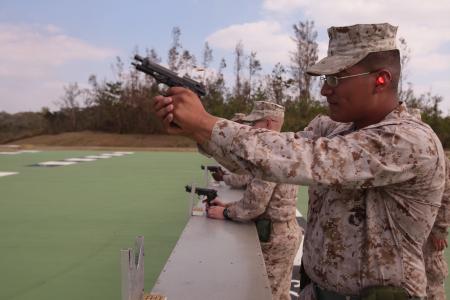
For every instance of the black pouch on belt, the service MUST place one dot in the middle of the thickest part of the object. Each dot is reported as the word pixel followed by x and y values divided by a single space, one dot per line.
pixel 263 226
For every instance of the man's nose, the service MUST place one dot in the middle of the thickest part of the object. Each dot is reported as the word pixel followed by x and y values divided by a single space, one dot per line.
pixel 326 90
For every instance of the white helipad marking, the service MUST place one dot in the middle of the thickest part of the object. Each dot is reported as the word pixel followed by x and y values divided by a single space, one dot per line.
pixel 7 173
pixel 80 159
pixel 56 163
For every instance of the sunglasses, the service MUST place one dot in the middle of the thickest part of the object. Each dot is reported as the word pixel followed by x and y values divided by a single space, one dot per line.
pixel 333 81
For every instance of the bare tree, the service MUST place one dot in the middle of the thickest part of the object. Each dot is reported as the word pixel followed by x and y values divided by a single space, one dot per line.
pixel 174 51
pixel 207 56
pixel 153 55
pixel 254 66
pixel 405 57
pixel 305 55
pixel 186 62
pixel 69 102
pixel 277 84
pixel 238 66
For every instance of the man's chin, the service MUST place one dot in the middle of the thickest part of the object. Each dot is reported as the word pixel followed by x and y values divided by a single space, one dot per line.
pixel 337 117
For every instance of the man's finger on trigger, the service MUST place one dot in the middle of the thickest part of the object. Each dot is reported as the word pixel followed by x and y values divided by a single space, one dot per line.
pixel 165 111
pixel 161 102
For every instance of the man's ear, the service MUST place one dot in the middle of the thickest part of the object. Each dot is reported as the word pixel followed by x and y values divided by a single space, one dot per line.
pixel 383 80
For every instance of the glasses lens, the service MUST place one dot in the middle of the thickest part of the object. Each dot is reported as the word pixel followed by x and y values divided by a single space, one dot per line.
pixel 332 81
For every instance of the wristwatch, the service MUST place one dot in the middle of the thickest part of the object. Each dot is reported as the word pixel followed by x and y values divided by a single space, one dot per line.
pixel 225 214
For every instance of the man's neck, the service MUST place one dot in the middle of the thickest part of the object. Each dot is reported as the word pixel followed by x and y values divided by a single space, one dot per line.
pixel 376 117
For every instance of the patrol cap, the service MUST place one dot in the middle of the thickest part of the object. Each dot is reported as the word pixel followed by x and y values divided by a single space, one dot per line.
pixel 350 44
pixel 262 109
pixel 237 117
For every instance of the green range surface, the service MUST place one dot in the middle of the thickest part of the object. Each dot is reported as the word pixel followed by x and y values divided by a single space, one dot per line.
pixel 62 228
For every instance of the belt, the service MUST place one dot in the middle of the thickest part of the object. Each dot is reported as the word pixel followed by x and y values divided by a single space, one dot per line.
pixel 322 294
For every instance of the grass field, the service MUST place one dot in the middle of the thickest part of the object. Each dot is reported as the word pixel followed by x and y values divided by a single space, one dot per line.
pixel 61 228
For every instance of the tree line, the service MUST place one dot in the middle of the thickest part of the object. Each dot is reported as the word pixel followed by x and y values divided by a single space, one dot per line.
pixel 123 105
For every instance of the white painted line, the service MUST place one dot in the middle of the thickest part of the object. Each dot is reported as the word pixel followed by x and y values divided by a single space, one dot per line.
pixel 19 152
pixel 7 173
pixel 29 151
pixel 10 146
pixel 56 163
pixel 80 159
pixel 98 156
pixel 124 152
pixel 113 154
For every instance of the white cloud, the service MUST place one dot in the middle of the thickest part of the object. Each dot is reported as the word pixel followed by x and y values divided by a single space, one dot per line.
pixel 266 38
pixel 32 59
pixel 433 62
pixel 424 24
pixel 31 50
pixel 284 6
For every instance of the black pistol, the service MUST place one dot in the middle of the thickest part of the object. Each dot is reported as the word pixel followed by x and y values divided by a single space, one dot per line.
pixel 210 194
pixel 166 76
pixel 213 169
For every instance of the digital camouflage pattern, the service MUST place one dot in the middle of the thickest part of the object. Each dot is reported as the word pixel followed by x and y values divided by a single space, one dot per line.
pixel 373 198
pixel 264 109
pixel 442 223
pixel 267 200
pixel 350 44
pixel 279 254
pixel 236 181
pixel 237 117
pixel 436 269
pixel 435 264
pixel 276 202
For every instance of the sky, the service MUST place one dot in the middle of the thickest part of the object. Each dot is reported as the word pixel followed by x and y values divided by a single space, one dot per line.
pixel 47 45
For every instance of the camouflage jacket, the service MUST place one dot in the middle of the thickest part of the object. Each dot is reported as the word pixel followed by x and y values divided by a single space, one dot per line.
pixel 373 198
pixel 263 199
pixel 237 181
pixel 442 223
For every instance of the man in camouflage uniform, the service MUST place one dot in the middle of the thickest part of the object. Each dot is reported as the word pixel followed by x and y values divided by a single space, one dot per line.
pixel 272 206
pixel 237 181
pixel 233 180
pixel 376 174
pixel 433 250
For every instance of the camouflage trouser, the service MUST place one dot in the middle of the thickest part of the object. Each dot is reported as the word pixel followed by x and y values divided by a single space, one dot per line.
pixel 308 293
pixel 279 253
pixel 437 271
